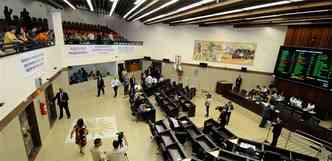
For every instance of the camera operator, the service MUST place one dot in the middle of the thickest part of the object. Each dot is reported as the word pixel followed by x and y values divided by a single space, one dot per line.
pixel 120 147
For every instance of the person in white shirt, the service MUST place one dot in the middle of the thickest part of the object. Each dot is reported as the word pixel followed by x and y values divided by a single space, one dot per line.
pixel 161 79
pixel 119 152
pixel 91 36
pixel 148 81
pixel 154 80
pixel 96 151
pixel 310 107
pixel 115 85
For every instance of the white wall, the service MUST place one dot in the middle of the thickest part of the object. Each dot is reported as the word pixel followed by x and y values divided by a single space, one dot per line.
pixel 12 145
pixel 36 8
pixel 15 87
pixel 163 41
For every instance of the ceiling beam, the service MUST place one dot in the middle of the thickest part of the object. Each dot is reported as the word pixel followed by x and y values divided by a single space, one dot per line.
pixel 142 9
pixel 200 9
pixel 327 20
pixel 275 18
pixel 305 6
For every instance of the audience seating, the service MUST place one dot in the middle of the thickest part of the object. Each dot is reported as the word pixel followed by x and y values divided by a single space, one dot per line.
pixel 81 33
pixel 28 25
pixel 207 145
pixel 149 113
pixel 173 99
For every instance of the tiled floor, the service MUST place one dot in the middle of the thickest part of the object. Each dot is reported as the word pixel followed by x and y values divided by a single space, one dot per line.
pixel 85 104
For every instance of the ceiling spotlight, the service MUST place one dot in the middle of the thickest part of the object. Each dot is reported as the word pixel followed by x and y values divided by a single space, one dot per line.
pixel 115 3
pixel 90 4
pixel 137 4
pixel 69 4
pixel 157 9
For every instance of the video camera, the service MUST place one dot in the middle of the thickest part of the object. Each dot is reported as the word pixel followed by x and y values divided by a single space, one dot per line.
pixel 120 137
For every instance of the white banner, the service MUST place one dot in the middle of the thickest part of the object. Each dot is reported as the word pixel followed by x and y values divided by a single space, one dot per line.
pixel 77 49
pixel 32 62
pixel 100 49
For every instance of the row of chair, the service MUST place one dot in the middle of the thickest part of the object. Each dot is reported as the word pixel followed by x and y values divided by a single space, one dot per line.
pixel 172 99
pixel 213 143
pixel 140 99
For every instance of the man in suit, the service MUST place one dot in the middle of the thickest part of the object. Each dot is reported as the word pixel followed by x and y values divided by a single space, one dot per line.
pixel 238 82
pixel 62 98
pixel 277 128
pixel 100 85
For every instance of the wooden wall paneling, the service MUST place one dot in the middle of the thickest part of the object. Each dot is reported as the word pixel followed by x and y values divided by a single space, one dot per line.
pixel 309 36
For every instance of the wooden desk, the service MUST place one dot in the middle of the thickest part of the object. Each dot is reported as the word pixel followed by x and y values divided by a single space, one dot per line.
pixel 223 86
pixel 291 122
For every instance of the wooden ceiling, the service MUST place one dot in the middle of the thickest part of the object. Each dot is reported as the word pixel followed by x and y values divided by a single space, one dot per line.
pixel 239 13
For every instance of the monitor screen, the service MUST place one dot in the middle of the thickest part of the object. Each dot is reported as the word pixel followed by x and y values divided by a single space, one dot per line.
pixel 305 65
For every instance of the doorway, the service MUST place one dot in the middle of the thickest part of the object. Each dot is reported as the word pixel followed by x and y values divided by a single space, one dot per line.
pixel 50 103
pixel 30 131
pixel 121 67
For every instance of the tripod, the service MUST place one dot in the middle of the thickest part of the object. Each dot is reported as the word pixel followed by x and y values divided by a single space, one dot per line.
pixel 126 157
pixel 268 134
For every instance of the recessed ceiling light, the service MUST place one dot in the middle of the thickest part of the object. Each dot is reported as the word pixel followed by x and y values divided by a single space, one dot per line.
pixel 180 10
pixel 115 3
pixel 239 10
pixel 69 4
pixel 137 4
pixel 157 9
pixel 90 4
pixel 142 9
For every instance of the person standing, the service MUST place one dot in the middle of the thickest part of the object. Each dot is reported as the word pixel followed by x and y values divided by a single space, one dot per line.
pixel 222 117
pixel 7 12
pixel 132 82
pixel 115 85
pixel 238 82
pixel 100 85
pixel 119 151
pixel 62 99
pixel 229 108
pixel 96 151
pixel 277 128
pixel 266 115
pixel 80 130
pixel 207 104
pixel 125 84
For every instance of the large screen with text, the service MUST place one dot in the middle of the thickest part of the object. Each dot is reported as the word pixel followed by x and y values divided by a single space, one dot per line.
pixel 305 65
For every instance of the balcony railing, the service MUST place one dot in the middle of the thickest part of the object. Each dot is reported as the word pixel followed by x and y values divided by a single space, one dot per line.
pixel 17 48
pixel 102 42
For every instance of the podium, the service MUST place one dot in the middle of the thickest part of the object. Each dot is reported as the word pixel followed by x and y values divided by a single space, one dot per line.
pixel 223 86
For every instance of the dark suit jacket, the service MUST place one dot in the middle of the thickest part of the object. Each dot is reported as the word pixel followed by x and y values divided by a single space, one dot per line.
pixel 100 82
pixel 63 100
pixel 277 128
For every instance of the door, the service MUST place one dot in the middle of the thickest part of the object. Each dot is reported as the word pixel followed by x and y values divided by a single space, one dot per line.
pixel 30 131
pixel 26 132
pixel 51 107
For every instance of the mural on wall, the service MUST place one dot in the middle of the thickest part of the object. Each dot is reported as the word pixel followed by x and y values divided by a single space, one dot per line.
pixel 225 52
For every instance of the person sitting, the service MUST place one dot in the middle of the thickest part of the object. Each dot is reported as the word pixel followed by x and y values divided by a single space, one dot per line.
pixel 41 36
pixel 148 81
pixel 310 107
pixel 22 35
pixel 10 39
